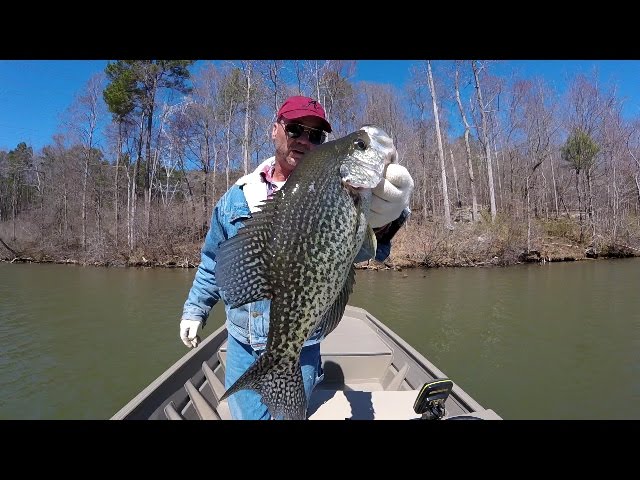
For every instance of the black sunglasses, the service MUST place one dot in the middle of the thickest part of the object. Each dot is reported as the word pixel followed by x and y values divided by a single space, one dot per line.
pixel 294 130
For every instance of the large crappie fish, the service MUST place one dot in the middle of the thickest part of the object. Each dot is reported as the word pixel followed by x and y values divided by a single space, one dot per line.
pixel 299 252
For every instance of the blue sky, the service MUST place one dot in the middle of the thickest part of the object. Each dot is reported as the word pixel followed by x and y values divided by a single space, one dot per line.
pixel 33 93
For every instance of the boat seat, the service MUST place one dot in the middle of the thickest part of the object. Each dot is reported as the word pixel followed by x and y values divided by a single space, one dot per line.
pixel 340 341
pixel 363 363
pixel 346 361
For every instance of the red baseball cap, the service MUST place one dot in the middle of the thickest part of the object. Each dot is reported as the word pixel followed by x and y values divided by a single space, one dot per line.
pixel 297 107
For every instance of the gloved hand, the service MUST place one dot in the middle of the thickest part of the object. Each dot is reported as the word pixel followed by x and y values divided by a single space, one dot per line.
pixel 189 332
pixel 391 195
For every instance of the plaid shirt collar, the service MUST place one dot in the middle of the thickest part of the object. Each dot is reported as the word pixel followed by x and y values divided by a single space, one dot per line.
pixel 267 177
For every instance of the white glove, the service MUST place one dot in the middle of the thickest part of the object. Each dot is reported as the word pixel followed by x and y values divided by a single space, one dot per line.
pixel 189 332
pixel 391 195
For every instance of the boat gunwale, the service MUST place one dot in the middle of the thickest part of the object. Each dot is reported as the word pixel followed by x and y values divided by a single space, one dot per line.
pixel 136 404
pixel 457 392
pixel 151 400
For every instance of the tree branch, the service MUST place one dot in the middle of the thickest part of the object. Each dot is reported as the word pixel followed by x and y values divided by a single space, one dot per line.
pixel 13 252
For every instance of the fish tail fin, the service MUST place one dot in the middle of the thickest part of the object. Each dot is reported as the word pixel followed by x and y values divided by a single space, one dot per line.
pixel 280 386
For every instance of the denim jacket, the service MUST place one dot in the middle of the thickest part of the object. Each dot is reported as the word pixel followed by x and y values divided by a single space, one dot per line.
pixel 248 323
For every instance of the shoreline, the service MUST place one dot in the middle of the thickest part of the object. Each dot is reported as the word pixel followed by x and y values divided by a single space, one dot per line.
pixel 394 263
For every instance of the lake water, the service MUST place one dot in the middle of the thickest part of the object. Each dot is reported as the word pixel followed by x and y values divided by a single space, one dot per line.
pixel 555 341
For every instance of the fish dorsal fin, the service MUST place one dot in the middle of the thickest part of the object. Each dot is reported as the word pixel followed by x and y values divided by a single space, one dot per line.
pixel 241 261
pixel 333 315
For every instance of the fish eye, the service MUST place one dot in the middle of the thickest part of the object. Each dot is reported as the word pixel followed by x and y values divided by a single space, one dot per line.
pixel 360 144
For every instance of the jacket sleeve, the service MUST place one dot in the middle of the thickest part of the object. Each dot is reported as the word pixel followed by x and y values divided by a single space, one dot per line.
pixel 384 235
pixel 204 292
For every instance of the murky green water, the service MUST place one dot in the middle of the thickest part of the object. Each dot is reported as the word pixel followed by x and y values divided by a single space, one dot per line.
pixel 558 341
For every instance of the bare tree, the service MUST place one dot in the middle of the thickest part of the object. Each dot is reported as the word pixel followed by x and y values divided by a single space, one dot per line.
pixel 86 113
pixel 485 137
pixel 382 106
pixel 337 94
pixel 272 74
pixel 230 98
pixel 132 182
pixel 304 78
pixel 636 160
pixel 537 117
pixel 614 142
pixel 443 172
pixel 417 93
pixel 474 201
pixel 587 109
pixel 455 179
pixel 200 131
pixel 19 160
pixel 247 68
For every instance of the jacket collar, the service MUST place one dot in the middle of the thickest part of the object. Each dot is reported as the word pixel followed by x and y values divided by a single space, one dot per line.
pixel 254 186
pixel 255 177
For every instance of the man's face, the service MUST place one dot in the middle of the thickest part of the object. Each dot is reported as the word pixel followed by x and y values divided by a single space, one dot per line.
pixel 289 150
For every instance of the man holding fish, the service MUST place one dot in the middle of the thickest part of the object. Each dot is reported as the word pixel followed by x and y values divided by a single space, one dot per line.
pixel 281 255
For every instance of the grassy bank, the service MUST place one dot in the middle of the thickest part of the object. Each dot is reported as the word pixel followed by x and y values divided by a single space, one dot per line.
pixel 426 245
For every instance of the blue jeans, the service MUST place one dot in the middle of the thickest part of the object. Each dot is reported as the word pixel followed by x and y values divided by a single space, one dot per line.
pixel 246 404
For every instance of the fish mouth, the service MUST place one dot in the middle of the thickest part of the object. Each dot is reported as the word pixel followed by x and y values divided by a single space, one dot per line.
pixel 360 176
pixel 355 191
pixel 355 186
